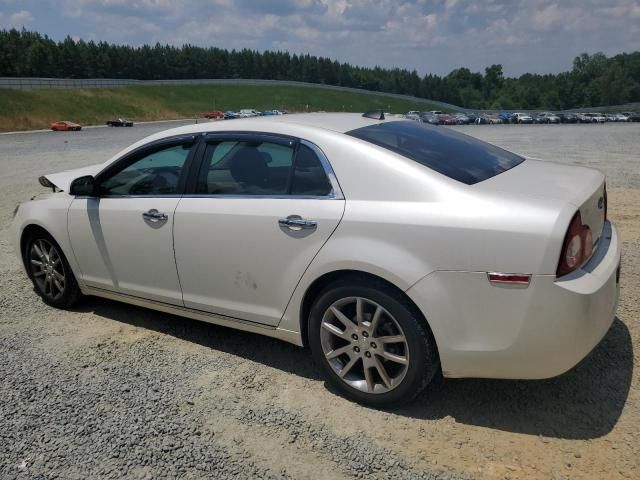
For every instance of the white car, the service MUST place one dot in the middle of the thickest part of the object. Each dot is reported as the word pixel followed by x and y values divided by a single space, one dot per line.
pixel 598 118
pixel 413 116
pixel 248 112
pixel 523 118
pixel 391 248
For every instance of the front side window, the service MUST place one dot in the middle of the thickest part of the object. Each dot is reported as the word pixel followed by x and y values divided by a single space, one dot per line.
pixel 256 167
pixel 458 156
pixel 155 173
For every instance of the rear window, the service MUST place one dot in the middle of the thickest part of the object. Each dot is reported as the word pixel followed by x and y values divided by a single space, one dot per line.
pixel 446 151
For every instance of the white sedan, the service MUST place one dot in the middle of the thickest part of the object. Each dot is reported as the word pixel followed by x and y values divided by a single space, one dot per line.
pixel 395 250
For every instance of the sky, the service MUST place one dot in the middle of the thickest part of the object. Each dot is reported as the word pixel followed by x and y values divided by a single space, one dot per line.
pixel 430 36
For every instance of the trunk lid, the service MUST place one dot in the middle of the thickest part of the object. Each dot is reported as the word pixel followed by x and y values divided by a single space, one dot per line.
pixel 579 186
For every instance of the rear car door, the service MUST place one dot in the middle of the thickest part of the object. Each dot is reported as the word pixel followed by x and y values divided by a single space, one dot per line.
pixel 262 208
pixel 123 238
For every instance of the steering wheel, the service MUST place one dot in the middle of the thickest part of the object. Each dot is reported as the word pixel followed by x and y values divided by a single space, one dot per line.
pixel 158 180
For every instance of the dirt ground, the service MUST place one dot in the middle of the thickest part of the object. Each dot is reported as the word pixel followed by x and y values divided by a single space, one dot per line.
pixel 112 391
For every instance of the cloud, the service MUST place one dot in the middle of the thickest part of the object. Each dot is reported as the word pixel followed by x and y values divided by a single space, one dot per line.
pixel 20 19
pixel 548 17
pixel 427 35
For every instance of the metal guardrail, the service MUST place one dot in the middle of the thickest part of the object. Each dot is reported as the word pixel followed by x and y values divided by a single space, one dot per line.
pixel 34 83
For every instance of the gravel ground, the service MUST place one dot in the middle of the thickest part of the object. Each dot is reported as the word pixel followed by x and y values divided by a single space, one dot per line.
pixel 114 391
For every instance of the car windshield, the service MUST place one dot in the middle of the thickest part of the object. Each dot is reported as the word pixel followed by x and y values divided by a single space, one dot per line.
pixel 458 156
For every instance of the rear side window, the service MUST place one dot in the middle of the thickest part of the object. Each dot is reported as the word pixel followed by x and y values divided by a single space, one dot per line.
pixel 309 177
pixel 246 168
pixel 256 167
pixel 458 156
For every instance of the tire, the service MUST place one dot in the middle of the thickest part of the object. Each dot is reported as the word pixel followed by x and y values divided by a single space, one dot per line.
pixel 43 258
pixel 347 352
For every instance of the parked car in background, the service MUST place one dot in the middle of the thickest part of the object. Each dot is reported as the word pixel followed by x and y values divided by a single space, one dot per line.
pixel 477 262
pixel 471 116
pixel 446 119
pixel 229 115
pixel 496 120
pixel 506 117
pixel 430 118
pixel 622 117
pixel 213 115
pixel 568 118
pixel 65 125
pixel 483 119
pixel 537 118
pixel 548 117
pixel 248 112
pixel 633 116
pixel 598 118
pixel 462 119
pixel 584 118
pixel 413 116
pixel 523 118
pixel 611 117
pixel 119 122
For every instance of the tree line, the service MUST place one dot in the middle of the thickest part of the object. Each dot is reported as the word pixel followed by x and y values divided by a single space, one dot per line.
pixel 594 80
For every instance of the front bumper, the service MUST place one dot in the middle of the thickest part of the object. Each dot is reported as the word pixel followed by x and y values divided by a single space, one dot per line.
pixel 521 332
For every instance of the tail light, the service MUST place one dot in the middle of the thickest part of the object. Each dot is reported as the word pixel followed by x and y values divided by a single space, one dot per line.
pixel 576 248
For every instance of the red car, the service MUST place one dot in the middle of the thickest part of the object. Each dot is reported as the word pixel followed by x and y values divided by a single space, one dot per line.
pixel 215 115
pixel 444 119
pixel 64 126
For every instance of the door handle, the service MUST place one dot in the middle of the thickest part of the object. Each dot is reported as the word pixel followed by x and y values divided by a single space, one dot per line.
pixel 296 223
pixel 155 216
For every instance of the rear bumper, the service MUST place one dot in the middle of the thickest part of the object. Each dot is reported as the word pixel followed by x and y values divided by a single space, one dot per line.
pixel 521 332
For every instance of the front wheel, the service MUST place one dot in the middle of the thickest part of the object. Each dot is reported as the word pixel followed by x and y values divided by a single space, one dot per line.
pixel 372 344
pixel 50 272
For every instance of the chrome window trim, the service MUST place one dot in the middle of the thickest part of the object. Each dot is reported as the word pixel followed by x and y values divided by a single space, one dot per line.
pixel 152 145
pixel 335 194
pixel 336 190
pixel 331 196
pixel 241 135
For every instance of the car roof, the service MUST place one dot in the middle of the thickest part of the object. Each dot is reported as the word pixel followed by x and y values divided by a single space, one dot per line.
pixel 336 122
pixel 292 124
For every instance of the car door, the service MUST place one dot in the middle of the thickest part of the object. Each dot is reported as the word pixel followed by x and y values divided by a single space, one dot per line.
pixel 122 238
pixel 262 208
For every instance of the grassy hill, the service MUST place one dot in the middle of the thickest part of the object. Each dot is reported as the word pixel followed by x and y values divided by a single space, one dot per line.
pixel 24 110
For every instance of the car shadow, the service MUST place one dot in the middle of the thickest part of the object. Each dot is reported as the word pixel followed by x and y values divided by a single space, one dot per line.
pixel 251 346
pixel 583 403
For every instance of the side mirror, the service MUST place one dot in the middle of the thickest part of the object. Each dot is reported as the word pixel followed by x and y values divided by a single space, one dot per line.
pixel 83 187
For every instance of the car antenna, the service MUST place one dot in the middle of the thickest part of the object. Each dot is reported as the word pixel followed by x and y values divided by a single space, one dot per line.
pixel 374 114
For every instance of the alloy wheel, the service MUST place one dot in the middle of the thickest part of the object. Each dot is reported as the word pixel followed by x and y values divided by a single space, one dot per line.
pixel 364 345
pixel 47 269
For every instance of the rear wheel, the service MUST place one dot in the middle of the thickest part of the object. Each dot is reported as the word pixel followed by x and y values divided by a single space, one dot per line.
pixel 372 344
pixel 50 272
